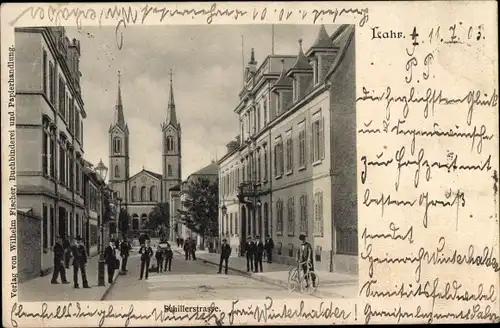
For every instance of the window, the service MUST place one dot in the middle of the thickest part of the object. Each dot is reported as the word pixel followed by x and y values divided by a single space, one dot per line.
pixel 236 231
pixel 316 71
pixel 52 226
pixel 258 118
pixel 117 145
pixel 265 164
pixel 71 105
pixel 223 231
pixel 71 224
pixel 289 153
pixel 264 108
pixel 303 215
pixel 153 194
pixel 302 148
pixel 77 224
pixel 291 216
pixel 62 164
pixel 62 98
pixel 44 72
pixel 77 125
pixel 266 219
pixel 318 214
pixel 279 217
pixel 45 227
pixel 45 151
pixel 318 140
pixel 259 166
pixel 169 170
pixel 52 84
pixel 170 143
pixel 52 155
pixel 143 194
pixel 78 176
pixel 134 193
pixel 279 159
pixel 71 170
pixel 117 171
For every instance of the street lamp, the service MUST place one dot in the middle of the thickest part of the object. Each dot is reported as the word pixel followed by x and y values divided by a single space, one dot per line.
pixel 102 170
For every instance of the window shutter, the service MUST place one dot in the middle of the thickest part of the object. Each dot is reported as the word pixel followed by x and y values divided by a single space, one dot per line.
pixel 310 135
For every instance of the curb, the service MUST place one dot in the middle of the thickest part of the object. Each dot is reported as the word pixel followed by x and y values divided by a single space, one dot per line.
pixel 109 287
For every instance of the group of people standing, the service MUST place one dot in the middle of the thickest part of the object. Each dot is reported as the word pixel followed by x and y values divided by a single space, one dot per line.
pixel 254 252
pixel 163 255
pixel 74 253
pixel 189 247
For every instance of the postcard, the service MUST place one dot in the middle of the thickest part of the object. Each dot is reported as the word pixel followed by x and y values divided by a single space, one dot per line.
pixel 249 163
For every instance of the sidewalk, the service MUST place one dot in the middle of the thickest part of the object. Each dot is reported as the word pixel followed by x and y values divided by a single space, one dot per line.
pixel 41 290
pixel 332 284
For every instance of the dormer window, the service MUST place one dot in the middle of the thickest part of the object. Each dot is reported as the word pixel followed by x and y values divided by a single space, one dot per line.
pixel 316 71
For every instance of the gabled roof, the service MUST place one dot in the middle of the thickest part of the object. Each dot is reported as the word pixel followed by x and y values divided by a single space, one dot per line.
pixel 324 42
pixel 176 188
pixel 151 173
pixel 211 169
pixel 344 40
pixel 301 64
pixel 284 82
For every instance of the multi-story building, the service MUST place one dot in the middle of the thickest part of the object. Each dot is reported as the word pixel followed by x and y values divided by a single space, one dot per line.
pixel 93 185
pixel 49 132
pixel 290 178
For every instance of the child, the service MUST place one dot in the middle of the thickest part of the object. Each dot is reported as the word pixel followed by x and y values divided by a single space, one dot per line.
pixel 168 258
pixel 159 258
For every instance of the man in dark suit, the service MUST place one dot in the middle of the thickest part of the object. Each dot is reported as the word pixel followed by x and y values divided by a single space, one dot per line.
pixel 125 248
pixel 259 252
pixel 193 249
pixel 59 268
pixel 250 252
pixel 111 261
pixel 187 248
pixel 224 255
pixel 79 262
pixel 146 254
pixel 269 249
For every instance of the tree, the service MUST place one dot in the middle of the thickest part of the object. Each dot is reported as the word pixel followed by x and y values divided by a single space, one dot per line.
pixel 124 221
pixel 159 218
pixel 201 214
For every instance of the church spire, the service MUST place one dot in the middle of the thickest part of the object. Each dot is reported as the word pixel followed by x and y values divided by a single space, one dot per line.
pixel 171 115
pixel 119 117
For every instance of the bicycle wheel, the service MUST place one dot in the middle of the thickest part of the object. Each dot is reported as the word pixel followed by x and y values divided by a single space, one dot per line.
pixel 309 282
pixel 293 279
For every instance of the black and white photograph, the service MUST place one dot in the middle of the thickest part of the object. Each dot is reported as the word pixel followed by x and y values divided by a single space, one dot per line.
pixel 186 162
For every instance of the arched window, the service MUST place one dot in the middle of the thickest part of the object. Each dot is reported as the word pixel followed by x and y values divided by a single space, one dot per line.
pixel 279 217
pixel 170 143
pixel 303 215
pixel 117 145
pixel 291 216
pixel 144 196
pixel 144 218
pixel 318 213
pixel 153 194
pixel 133 193
pixel 117 171
pixel 169 170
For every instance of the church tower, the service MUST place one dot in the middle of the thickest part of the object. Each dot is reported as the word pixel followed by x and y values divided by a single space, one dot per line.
pixel 171 144
pixel 119 161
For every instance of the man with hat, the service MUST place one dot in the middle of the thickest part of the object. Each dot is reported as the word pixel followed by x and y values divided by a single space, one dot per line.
pixel 305 256
pixel 224 255
pixel 250 252
pixel 79 262
pixel 59 268
pixel 259 253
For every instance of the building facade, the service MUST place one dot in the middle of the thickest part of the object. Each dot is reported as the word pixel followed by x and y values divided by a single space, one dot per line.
pixel 49 132
pixel 143 190
pixel 292 167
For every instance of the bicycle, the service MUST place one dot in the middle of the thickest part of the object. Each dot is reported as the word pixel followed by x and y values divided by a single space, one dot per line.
pixel 295 279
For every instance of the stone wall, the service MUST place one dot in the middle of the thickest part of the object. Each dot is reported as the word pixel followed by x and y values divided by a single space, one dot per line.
pixel 29 246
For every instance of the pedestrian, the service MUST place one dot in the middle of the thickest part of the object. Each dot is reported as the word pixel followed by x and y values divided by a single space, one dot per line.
pixel 224 255
pixel 79 262
pixel 146 253
pixel 59 268
pixel 159 259
pixel 67 252
pixel 193 249
pixel 187 249
pixel 305 256
pixel 269 246
pixel 259 252
pixel 111 261
pixel 125 248
pixel 178 241
pixel 169 255
pixel 250 252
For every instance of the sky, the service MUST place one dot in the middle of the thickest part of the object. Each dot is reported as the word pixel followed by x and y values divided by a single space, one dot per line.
pixel 207 70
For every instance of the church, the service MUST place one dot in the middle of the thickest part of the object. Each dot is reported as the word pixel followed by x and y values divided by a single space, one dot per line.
pixel 143 190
